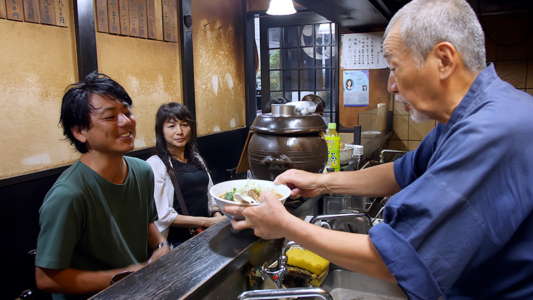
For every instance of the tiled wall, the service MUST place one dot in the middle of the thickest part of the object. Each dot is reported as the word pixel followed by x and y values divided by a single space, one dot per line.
pixel 509 45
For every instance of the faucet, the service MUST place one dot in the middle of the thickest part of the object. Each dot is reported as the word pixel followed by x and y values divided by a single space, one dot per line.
pixel 389 151
pixel 362 218
pixel 280 270
pixel 285 293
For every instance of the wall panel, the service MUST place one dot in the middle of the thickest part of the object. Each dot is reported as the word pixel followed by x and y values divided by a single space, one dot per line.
pixel 37 63
pixel 218 37
pixel 149 70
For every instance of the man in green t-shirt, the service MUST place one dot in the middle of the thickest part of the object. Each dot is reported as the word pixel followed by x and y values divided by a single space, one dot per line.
pixel 98 218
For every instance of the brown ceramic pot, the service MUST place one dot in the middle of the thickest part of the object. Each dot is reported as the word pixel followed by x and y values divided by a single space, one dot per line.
pixel 280 143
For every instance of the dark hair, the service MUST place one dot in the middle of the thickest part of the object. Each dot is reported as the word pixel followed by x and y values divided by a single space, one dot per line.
pixel 320 103
pixel 350 81
pixel 176 111
pixel 277 100
pixel 76 105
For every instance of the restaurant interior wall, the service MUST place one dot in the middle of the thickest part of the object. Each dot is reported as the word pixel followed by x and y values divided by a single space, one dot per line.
pixel 219 81
pixel 37 63
pixel 509 45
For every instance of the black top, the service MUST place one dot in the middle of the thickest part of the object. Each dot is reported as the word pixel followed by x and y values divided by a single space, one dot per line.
pixel 193 182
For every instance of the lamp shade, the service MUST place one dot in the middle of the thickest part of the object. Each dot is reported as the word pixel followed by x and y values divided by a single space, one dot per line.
pixel 281 7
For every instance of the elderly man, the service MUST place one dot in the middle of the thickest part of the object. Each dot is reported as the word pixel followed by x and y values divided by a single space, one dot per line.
pixel 460 223
pixel 98 218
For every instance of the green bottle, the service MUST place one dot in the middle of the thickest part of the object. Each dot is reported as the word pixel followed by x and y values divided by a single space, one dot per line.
pixel 334 142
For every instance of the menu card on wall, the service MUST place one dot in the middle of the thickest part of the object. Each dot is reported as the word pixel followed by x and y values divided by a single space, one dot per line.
pixel 2 9
pixel 142 18
pixel 363 51
pixel 124 17
pixel 31 11
pixel 134 18
pixel 101 15
pixel 167 36
pixel 62 14
pixel 48 12
pixel 113 13
pixel 173 21
pixel 14 10
pixel 150 15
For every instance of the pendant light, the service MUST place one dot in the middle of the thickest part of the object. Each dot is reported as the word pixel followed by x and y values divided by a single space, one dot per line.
pixel 281 7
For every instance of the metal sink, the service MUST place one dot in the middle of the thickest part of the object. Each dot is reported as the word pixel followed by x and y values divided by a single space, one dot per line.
pixel 346 285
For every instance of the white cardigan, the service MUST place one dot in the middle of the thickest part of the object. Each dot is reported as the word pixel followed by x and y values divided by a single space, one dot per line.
pixel 164 195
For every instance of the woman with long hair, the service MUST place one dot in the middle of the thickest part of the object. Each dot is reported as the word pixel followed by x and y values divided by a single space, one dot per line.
pixel 178 158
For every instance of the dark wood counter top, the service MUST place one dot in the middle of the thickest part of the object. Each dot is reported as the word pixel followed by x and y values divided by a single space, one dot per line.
pixel 195 268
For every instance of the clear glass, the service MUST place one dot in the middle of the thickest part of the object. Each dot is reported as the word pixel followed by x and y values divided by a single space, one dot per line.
pixel 274 37
pixel 290 37
pixel 307 37
pixel 307 79
pixel 274 59
pixel 323 79
pixel 307 57
pixel 323 56
pixel 290 80
pixel 275 80
pixel 290 58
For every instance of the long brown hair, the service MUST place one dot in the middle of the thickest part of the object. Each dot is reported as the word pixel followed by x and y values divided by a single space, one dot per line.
pixel 176 111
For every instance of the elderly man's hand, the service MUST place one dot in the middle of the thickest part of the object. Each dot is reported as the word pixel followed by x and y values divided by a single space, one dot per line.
pixel 302 183
pixel 266 219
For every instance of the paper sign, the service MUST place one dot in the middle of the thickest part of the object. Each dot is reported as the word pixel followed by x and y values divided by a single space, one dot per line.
pixel 363 51
pixel 355 90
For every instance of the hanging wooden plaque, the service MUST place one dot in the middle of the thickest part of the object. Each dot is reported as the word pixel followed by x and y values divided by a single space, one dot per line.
pixel 113 16
pixel 14 10
pixel 173 21
pixel 31 11
pixel 124 17
pixel 62 12
pixel 48 12
pixel 2 9
pixel 134 17
pixel 152 20
pixel 101 16
pixel 167 36
pixel 142 18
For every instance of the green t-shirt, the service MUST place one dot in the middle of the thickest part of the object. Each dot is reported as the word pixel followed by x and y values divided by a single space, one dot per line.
pixel 89 223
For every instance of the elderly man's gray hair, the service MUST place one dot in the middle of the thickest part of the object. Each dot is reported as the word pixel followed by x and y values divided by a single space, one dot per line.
pixel 424 23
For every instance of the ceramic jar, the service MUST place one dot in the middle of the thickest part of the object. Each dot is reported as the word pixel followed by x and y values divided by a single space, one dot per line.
pixel 283 142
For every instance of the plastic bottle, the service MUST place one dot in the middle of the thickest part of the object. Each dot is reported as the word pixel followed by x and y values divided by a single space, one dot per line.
pixel 334 142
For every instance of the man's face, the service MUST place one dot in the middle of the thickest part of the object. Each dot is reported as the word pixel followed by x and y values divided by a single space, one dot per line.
pixel 112 127
pixel 412 85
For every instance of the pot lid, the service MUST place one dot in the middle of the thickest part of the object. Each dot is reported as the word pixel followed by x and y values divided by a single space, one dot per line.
pixel 267 123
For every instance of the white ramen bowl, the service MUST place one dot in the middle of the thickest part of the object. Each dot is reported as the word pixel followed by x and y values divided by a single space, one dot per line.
pixel 222 188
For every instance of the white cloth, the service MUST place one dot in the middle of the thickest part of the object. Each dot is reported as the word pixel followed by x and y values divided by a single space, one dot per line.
pixel 164 195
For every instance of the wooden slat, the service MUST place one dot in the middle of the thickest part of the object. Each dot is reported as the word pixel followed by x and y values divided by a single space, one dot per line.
pixel 173 21
pixel 142 18
pixel 31 11
pixel 167 34
pixel 101 16
pixel 62 12
pixel 124 17
pixel 113 16
pixel 134 17
pixel 150 17
pixel 48 12
pixel 15 10
pixel 3 9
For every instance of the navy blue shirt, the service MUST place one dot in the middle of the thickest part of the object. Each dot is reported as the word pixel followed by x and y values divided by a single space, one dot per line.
pixel 462 225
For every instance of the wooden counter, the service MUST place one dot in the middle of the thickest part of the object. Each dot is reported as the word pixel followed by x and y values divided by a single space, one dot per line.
pixel 196 268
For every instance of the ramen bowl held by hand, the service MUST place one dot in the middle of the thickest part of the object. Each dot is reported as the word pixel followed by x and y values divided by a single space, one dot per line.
pixel 218 192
